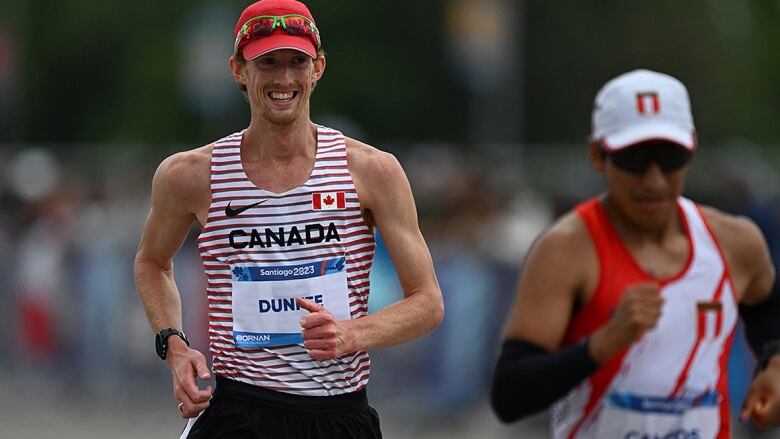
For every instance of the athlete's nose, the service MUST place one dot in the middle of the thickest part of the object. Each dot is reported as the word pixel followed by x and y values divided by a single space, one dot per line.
pixel 284 77
pixel 654 177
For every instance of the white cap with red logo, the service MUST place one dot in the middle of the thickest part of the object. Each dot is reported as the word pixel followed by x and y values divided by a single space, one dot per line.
pixel 641 106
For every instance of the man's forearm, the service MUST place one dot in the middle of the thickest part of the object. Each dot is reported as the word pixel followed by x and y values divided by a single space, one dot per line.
pixel 412 317
pixel 761 326
pixel 159 295
pixel 528 378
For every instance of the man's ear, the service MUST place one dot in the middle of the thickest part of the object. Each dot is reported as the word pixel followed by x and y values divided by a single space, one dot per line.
pixel 319 67
pixel 238 70
pixel 597 158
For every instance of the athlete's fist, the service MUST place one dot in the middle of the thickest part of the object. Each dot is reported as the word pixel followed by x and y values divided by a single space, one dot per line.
pixel 638 311
pixel 762 403
pixel 323 335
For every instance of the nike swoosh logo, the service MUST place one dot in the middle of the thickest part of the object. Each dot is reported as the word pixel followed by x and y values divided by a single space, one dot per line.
pixel 233 212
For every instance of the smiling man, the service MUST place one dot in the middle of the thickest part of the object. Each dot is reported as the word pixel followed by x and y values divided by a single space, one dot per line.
pixel 287 210
pixel 627 306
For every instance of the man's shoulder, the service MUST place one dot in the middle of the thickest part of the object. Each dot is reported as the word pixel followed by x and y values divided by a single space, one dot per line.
pixel 566 253
pixel 373 168
pixel 186 172
pixel 746 252
pixel 198 158
pixel 568 233
pixel 367 159
pixel 733 232
pixel 378 176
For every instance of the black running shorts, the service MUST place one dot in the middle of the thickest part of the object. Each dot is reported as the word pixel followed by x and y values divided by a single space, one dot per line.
pixel 238 410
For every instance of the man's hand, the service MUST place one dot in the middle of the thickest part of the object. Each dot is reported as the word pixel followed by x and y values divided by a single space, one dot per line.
pixel 762 403
pixel 638 311
pixel 324 336
pixel 186 364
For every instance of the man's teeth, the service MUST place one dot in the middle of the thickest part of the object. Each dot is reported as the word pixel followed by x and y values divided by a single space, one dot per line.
pixel 282 96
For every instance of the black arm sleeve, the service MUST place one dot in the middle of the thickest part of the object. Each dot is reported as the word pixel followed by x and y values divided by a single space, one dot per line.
pixel 762 326
pixel 528 378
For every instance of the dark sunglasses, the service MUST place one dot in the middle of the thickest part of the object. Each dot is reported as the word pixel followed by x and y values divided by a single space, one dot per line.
pixel 637 159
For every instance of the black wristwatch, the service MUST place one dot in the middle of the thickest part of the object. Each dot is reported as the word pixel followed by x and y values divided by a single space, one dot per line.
pixel 161 340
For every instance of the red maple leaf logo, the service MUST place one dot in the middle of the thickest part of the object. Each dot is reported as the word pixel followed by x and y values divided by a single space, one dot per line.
pixel 328 200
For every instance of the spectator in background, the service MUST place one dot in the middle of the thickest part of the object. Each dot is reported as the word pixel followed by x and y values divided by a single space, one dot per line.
pixel 43 275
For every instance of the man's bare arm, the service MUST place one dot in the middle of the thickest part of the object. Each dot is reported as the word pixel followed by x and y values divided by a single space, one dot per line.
pixel 387 194
pixel 166 228
pixel 753 275
pixel 176 188
pixel 384 190
pixel 551 278
pixel 533 370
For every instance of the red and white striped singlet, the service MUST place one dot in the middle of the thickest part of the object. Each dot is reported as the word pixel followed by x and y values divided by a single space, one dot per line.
pixel 249 228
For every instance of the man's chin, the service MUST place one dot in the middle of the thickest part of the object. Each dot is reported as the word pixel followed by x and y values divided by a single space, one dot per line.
pixel 282 119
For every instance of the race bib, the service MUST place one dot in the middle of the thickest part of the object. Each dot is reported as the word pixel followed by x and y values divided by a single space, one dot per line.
pixel 627 416
pixel 264 309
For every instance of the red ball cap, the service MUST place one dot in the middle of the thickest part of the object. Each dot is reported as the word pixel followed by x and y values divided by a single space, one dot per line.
pixel 279 39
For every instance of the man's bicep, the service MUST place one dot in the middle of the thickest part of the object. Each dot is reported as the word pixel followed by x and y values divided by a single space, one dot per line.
pixel 168 222
pixel 757 260
pixel 162 237
pixel 411 258
pixel 761 285
pixel 545 296
pixel 395 215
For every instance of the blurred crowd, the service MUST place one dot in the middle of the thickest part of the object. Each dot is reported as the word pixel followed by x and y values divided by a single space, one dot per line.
pixel 68 230
pixel 70 220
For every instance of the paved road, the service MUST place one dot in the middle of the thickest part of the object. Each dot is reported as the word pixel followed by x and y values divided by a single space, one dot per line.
pixel 33 410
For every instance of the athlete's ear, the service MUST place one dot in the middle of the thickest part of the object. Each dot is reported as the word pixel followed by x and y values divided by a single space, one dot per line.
pixel 597 157
pixel 319 67
pixel 238 70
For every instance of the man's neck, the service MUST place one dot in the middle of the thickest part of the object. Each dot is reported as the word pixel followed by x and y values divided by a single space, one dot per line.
pixel 642 233
pixel 267 141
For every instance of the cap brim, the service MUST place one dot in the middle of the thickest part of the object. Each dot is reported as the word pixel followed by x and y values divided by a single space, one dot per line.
pixel 652 130
pixel 261 46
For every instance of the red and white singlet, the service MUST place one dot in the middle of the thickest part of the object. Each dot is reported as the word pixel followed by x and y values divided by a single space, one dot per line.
pixel 672 383
pixel 262 249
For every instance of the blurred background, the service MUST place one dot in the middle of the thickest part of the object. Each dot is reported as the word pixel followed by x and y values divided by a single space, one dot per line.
pixel 485 102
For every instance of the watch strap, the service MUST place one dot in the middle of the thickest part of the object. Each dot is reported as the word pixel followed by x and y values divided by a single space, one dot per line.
pixel 162 340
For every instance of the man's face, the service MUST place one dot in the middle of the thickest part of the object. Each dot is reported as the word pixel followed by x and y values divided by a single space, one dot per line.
pixel 648 197
pixel 279 84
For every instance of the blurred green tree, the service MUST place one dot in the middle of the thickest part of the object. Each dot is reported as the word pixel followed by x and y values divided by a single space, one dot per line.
pixel 110 71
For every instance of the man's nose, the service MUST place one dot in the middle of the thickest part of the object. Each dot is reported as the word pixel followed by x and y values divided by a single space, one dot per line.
pixel 654 176
pixel 284 76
